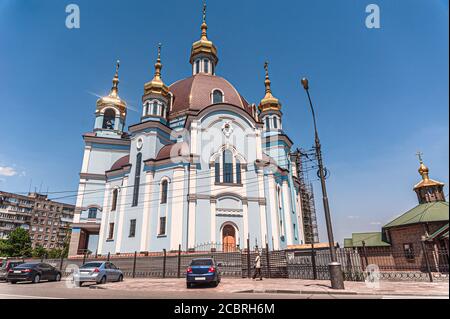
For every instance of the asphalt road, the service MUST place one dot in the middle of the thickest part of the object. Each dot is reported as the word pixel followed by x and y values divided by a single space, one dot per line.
pixel 59 290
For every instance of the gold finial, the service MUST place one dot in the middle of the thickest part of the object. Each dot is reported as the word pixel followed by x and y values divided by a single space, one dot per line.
pixel 423 170
pixel 158 65
pixel 269 102
pixel 204 26
pixel 267 81
pixel 115 87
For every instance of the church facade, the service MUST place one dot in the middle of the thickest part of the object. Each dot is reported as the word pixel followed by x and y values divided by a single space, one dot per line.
pixel 203 165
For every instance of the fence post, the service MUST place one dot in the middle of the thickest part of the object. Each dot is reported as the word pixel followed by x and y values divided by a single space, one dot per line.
pixel 179 261
pixel 249 273
pixel 268 261
pixel 134 264
pixel 61 262
pixel 108 257
pixel 84 258
pixel 366 259
pixel 164 263
pixel 313 261
pixel 427 262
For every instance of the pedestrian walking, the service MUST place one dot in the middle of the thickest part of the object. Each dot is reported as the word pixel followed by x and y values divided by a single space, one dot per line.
pixel 258 266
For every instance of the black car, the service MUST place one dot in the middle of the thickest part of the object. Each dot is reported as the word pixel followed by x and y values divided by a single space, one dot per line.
pixel 34 272
pixel 8 264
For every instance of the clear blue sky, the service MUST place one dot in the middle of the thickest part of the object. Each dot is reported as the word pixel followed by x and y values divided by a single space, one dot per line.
pixel 380 95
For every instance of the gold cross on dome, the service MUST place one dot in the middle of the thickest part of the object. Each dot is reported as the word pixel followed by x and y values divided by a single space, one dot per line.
pixel 419 155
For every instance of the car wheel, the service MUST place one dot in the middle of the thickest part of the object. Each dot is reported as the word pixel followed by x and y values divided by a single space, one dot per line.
pixel 120 278
pixel 36 279
pixel 58 277
pixel 13 282
pixel 102 281
pixel 188 285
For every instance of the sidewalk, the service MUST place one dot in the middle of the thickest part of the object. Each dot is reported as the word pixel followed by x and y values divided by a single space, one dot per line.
pixel 287 286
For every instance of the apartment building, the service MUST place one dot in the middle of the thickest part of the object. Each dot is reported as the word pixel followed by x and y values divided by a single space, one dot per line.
pixel 47 221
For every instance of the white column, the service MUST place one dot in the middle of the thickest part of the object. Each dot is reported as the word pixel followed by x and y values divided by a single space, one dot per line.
pixel 80 196
pixel 274 212
pixel 192 207
pixel 86 157
pixel 105 214
pixel 287 212
pixel 178 199
pixel 121 215
pixel 213 222
pixel 193 141
pixel 145 233
pixel 301 229
pixel 262 208
pixel 244 205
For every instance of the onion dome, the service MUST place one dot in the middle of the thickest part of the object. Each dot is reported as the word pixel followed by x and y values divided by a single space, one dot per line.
pixel 157 86
pixel 197 92
pixel 269 102
pixel 426 180
pixel 113 99
pixel 204 47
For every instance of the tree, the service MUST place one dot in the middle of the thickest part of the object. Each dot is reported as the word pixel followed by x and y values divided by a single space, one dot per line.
pixel 39 251
pixel 18 243
pixel 4 248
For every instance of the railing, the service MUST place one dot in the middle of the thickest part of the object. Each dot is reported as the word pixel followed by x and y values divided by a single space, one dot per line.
pixel 289 264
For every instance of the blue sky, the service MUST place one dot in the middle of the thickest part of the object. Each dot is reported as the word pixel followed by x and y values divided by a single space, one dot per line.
pixel 380 95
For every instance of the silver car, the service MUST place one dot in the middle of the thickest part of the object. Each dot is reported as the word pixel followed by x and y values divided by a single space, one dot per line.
pixel 99 272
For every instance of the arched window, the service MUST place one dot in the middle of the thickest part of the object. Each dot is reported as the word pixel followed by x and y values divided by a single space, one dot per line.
pixel 275 122
pixel 92 213
pixel 109 118
pixel 267 123
pixel 217 97
pixel 164 188
pixel 217 170
pixel 137 179
pixel 227 166
pixel 238 172
pixel 206 65
pixel 197 66
pixel 114 199
pixel 155 108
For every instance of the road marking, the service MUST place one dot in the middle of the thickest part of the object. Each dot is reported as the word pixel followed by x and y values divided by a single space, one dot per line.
pixel 31 297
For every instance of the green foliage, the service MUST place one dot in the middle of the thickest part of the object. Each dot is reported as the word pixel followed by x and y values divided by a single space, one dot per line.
pixel 39 251
pixel 18 244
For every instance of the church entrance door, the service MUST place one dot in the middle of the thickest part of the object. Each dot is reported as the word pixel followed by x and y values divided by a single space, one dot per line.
pixel 229 238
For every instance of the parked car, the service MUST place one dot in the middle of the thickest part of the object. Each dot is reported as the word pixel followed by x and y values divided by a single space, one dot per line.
pixel 201 271
pixel 34 272
pixel 99 272
pixel 6 265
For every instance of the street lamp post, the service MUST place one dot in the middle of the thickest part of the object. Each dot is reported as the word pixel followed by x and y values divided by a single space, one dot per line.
pixel 337 278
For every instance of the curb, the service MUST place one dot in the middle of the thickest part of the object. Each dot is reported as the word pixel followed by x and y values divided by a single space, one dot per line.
pixel 316 292
pixel 297 292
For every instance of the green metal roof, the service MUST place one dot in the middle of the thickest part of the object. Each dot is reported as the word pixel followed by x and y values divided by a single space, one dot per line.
pixel 423 213
pixel 348 242
pixel 441 232
pixel 372 239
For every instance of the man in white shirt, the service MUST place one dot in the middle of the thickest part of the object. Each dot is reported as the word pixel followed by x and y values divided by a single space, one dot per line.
pixel 258 266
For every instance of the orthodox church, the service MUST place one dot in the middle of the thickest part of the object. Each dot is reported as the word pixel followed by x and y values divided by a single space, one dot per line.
pixel 203 165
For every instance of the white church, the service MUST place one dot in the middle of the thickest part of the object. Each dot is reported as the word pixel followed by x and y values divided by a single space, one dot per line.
pixel 203 165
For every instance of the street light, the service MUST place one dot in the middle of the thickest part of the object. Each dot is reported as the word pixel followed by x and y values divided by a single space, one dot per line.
pixel 337 278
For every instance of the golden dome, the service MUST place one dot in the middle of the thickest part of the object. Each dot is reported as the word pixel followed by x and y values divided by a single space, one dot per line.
pixel 204 46
pixel 157 86
pixel 269 102
pixel 424 171
pixel 113 97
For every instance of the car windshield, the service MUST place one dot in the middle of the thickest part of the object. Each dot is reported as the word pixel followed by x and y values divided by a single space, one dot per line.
pixel 202 262
pixel 27 265
pixel 3 264
pixel 91 265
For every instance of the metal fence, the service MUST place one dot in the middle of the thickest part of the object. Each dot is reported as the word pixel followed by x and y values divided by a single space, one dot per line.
pixel 429 264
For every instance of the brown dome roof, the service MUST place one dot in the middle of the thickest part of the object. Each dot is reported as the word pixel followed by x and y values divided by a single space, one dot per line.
pixel 194 94
pixel 120 163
